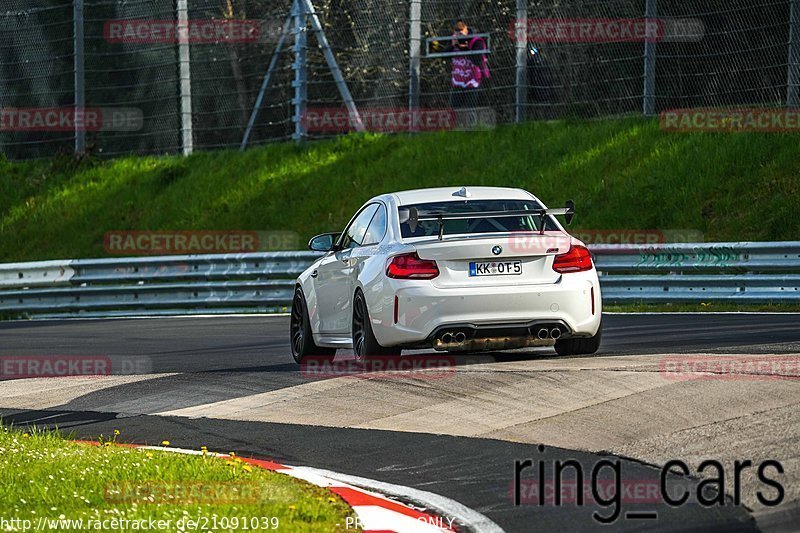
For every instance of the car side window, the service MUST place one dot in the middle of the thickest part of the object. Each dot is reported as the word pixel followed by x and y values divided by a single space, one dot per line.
pixel 377 228
pixel 354 234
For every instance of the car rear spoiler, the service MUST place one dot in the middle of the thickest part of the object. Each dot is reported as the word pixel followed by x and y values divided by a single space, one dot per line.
pixel 414 217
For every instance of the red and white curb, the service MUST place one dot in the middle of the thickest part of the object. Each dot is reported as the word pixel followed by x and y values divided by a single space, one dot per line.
pixel 375 512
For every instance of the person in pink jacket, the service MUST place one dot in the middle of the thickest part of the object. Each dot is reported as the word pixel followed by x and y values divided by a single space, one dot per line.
pixel 468 71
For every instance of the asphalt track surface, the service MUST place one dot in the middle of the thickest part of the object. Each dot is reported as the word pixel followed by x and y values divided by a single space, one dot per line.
pixel 229 383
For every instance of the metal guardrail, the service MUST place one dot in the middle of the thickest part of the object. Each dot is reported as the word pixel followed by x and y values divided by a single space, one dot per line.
pixel 757 272
pixel 224 283
pixel 264 282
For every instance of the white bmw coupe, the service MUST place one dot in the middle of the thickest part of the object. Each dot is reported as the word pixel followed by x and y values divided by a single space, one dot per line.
pixel 469 269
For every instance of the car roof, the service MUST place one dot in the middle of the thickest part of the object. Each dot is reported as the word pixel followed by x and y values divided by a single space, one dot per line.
pixel 445 194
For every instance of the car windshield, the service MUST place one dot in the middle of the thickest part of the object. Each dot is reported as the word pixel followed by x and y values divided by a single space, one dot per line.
pixel 427 228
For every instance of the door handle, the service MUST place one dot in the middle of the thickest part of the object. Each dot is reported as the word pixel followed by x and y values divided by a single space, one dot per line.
pixel 314 274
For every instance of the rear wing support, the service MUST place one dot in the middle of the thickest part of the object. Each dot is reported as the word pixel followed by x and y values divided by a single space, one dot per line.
pixel 414 218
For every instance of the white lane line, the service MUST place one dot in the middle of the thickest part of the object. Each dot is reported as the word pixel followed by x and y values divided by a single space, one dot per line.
pixel 144 317
pixel 46 418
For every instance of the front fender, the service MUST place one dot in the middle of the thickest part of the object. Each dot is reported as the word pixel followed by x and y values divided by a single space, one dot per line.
pixel 306 284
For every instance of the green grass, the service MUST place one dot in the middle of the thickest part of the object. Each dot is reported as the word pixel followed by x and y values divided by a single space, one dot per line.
pixel 42 474
pixel 623 174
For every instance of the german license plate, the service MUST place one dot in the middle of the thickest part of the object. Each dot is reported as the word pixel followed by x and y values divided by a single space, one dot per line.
pixel 495 268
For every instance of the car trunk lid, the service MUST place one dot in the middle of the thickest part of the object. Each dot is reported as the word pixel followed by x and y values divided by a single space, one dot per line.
pixel 501 259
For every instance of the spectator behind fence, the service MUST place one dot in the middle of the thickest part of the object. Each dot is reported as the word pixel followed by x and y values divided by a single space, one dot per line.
pixel 542 96
pixel 468 71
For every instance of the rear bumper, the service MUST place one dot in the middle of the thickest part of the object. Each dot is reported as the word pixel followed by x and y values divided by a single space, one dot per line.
pixel 424 310
pixel 475 337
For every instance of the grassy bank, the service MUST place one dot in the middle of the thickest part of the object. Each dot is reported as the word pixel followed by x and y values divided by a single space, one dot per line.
pixel 623 174
pixel 46 477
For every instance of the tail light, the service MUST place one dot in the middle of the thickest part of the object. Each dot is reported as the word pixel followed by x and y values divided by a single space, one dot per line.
pixel 577 259
pixel 410 266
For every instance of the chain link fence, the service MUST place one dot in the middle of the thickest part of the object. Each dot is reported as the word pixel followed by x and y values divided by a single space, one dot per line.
pixel 168 76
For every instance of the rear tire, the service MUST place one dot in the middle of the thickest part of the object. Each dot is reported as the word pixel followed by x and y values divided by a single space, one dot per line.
pixel 365 345
pixel 301 337
pixel 580 346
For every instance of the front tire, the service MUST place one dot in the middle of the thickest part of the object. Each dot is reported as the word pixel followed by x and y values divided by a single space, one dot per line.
pixel 302 339
pixel 580 346
pixel 365 345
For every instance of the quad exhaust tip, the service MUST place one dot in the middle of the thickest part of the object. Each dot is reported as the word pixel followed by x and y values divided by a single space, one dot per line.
pixel 457 340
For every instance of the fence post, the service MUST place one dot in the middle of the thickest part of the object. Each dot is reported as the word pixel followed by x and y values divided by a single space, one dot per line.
pixel 338 77
pixel 651 12
pixel 80 79
pixel 300 67
pixel 185 69
pixel 414 47
pixel 521 43
pixel 273 65
pixel 793 79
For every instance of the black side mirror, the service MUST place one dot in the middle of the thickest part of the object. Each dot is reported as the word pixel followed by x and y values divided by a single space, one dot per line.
pixel 323 243
pixel 570 212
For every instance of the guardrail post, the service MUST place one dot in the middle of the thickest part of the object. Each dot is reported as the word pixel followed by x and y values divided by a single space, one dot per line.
pixel 333 66
pixel 273 65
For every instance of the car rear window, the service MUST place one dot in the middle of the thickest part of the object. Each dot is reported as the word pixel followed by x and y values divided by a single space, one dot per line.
pixel 427 228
